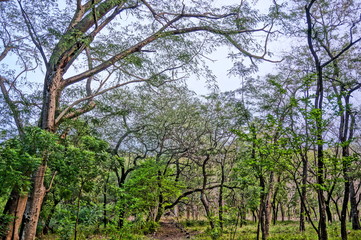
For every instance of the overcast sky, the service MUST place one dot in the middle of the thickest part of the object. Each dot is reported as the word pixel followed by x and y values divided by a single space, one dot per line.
pixel 222 64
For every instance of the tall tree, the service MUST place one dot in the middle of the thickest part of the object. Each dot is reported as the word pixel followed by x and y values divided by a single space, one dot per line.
pixel 100 45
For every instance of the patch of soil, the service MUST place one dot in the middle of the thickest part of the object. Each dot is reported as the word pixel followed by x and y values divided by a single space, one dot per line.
pixel 171 230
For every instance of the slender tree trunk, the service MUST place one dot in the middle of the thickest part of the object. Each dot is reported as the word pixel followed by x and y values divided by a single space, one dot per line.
pixel 263 209
pixel 345 130
pixel 268 207
pixel 318 117
pixel 203 197
pixel 344 209
pixel 105 220
pixel 337 208
pixel 303 193
pixel 188 213
pixel 275 204
pixel 354 211
pixel 77 213
pixel 328 210
pixel 254 216
pixel 220 199
pixel 322 216
pixel 282 213
pixel 160 199
pixel 208 210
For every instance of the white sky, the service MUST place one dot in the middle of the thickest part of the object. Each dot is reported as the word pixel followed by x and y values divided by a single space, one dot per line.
pixel 223 64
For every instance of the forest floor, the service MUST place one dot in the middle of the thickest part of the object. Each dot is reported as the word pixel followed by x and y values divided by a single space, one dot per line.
pixel 171 230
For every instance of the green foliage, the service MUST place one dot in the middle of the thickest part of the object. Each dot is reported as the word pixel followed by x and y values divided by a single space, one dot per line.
pixel 141 190
pixel 19 157
pixel 4 220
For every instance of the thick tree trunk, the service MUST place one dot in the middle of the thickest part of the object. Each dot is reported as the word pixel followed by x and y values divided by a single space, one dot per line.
pixel 33 207
pixel 15 206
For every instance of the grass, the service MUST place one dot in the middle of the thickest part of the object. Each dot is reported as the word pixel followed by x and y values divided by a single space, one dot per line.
pixel 287 230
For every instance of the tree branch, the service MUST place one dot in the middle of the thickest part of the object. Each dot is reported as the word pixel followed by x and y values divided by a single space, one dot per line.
pixel 33 35
pixel 13 108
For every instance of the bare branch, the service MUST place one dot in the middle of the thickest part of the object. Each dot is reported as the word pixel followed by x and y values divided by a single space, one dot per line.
pixel 137 47
pixel 5 52
pixel 341 52
pixel 62 114
pixel 33 35
pixel 13 108
pixel 245 52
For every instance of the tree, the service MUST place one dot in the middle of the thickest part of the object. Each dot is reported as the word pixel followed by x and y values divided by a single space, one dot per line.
pixel 92 42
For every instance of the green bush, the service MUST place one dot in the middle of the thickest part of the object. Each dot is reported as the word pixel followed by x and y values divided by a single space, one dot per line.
pixel 4 221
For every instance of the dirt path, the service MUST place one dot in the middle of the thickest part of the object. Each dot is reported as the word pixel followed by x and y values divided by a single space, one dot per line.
pixel 171 230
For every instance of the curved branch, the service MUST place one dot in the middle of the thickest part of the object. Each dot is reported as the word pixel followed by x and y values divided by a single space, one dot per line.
pixel 13 108
pixel 33 35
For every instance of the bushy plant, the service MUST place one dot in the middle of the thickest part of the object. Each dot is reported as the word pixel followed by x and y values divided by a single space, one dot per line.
pixel 4 220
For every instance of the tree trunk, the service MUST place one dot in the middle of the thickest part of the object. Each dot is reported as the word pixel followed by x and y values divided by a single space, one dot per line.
pixel 15 206
pixel 34 203
pixel 188 213
pixel 318 119
pixel 105 220
pixel 160 199
pixel 322 215
pixel 220 199
pixel 328 210
pixel 265 207
pixel 344 209
pixel 208 210
pixel 303 193
pixel 268 207
pixel 354 212
pixel 77 213
pixel 275 204
pixel 203 197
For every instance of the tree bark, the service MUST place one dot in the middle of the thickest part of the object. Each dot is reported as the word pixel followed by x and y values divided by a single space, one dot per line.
pixel 303 193
pixel 203 197
pixel 344 209
pixel 34 203
pixel 328 210
pixel 220 199
pixel 15 206
pixel 354 211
